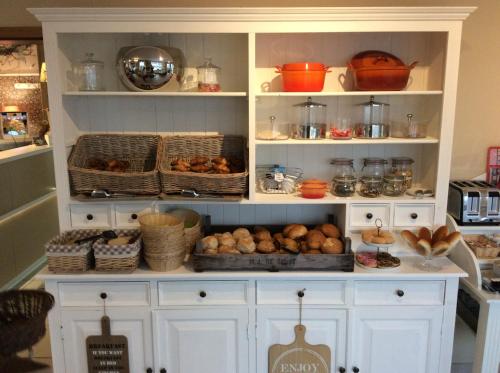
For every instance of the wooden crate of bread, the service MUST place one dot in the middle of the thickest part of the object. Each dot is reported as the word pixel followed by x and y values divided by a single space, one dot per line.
pixel 291 252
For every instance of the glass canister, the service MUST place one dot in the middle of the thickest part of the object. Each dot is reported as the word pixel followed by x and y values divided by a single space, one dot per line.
pixel 372 179
pixel 394 185
pixel 344 179
pixel 373 120
pixel 272 130
pixel 310 121
pixel 341 129
pixel 208 77
pixel 402 166
pixel 410 128
pixel 91 74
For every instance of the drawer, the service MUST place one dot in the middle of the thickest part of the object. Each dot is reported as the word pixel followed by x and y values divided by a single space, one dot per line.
pixel 73 294
pixel 187 293
pixel 413 215
pixel 409 293
pixel 126 215
pixel 90 216
pixel 364 214
pixel 286 292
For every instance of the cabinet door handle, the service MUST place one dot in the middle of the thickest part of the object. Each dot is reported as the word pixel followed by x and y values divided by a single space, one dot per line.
pixel 163 370
pixel 103 295
pixel 355 369
pixel 400 293
pixel 90 217
pixel 369 216
pixel 341 370
pixel 414 215
pixel 133 216
pixel 203 294
pixel 149 370
pixel 301 293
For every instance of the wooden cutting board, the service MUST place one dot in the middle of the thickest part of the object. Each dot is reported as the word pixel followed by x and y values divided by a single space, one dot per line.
pixel 299 356
pixel 106 352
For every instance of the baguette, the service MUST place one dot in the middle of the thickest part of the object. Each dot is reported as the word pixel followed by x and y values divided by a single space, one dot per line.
pixel 440 234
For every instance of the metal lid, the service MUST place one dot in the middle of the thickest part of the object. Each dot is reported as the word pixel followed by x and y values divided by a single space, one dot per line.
pixel 402 160
pixel 373 103
pixel 374 161
pixel 90 60
pixel 342 161
pixel 309 103
pixel 208 64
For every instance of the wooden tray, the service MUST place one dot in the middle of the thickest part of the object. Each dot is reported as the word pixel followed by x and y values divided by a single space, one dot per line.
pixel 270 262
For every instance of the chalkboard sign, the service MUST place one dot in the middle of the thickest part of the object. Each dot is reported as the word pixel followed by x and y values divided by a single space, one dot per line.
pixel 107 353
pixel 299 356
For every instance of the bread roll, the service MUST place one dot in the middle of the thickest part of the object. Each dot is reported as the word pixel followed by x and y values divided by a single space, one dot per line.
pixel 290 245
pixel 410 239
pixel 210 251
pixel 439 234
pixel 332 246
pixel 240 233
pixel 297 232
pixel 330 230
pixel 228 250
pixel 439 248
pixel 263 235
pixel 453 238
pixel 315 239
pixel 209 242
pixel 266 247
pixel 425 234
pixel 313 251
pixel 278 237
pixel 287 229
pixel 424 247
pixel 227 241
pixel 259 228
pixel 246 245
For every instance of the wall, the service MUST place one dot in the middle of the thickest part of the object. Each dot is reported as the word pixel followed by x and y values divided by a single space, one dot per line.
pixel 478 109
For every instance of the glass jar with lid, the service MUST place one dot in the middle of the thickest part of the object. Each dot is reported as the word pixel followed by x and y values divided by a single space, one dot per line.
pixel 344 179
pixel 394 185
pixel 411 127
pixel 310 121
pixel 208 77
pixel 372 179
pixel 91 74
pixel 373 120
pixel 402 166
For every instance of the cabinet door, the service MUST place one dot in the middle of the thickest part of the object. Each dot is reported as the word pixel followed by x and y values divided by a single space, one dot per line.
pixel 201 340
pixel 133 323
pixel 396 339
pixel 323 326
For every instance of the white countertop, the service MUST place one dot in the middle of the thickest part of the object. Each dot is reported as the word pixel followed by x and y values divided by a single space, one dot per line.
pixel 407 271
pixel 22 152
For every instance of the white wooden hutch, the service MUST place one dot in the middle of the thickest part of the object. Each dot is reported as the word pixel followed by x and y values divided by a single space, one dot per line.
pixel 359 315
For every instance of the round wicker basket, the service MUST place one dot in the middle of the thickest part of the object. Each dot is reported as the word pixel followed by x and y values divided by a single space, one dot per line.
pixel 161 233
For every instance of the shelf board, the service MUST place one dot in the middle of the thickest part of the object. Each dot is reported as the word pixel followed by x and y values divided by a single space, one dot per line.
pixel 390 140
pixel 278 199
pixel 155 94
pixel 349 93
pixel 162 199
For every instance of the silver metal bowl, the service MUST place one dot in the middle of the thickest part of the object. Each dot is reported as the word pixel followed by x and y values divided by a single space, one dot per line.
pixel 148 68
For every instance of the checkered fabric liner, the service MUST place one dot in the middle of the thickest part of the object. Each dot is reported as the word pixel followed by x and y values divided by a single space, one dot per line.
pixel 63 244
pixel 101 250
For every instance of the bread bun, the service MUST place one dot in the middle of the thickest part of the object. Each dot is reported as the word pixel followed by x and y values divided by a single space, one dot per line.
pixel 263 235
pixel 330 230
pixel 266 247
pixel 228 250
pixel 313 251
pixel 315 239
pixel 453 238
pixel 425 234
pixel 424 247
pixel 210 251
pixel 410 239
pixel 440 248
pixel 288 228
pixel 290 245
pixel 332 246
pixel 278 237
pixel 227 241
pixel 439 234
pixel 297 232
pixel 240 233
pixel 209 242
pixel 259 228
pixel 246 245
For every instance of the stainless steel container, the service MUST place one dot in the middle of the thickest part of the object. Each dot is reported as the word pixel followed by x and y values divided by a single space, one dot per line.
pixel 373 120
pixel 310 121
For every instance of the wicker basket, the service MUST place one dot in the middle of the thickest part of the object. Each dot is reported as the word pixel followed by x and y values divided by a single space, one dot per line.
pixel 192 227
pixel 64 256
pixel 141 151
pixel 161 233
pixel 118 258
pixel 187 147
pixel 166 262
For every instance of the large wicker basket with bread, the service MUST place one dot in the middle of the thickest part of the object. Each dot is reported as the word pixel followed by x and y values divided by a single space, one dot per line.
pixel 138 155
pixel 187 148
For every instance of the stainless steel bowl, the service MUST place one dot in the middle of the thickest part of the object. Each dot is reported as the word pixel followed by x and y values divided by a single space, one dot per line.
pixel 372 131
pixel 148 68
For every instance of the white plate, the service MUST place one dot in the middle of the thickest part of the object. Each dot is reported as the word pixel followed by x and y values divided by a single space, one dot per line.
pixel 383 245
pixel 371 269
pixel 411 192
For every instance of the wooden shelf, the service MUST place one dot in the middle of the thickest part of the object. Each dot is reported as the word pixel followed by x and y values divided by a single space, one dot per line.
pixel 390 140
pixel 263 198
pixel 349 93
pixel 155 94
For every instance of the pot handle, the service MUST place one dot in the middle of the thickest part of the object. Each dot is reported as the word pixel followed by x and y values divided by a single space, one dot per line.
pixel 327 69
pixel 412 65
pixel 278 68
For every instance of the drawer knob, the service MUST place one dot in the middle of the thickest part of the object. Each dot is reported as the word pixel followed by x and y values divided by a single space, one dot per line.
pixel 341 369
pixel 133 216
pixel 369 216
pixel 400 293
pixel 355 369
pixel 203 294
pixel 90 217
pixel 301 293
pixel 414 215
pixel 149 370
pixel 103 295
pixel 163 370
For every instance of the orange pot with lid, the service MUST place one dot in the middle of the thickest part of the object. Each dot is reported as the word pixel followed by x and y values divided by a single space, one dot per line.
pixel 313 188
pixel 303 76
